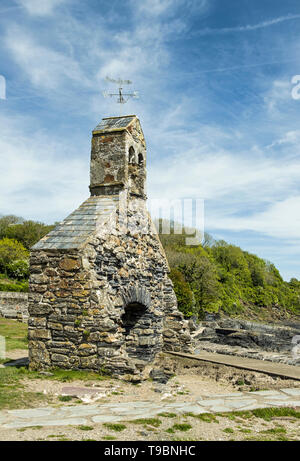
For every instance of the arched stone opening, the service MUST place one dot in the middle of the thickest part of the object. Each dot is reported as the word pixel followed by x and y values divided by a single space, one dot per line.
pixel 140 159
pixel 137 328
pixel 131 156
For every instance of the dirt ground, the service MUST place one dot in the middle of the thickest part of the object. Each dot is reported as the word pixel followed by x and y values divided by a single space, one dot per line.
pixel 191 379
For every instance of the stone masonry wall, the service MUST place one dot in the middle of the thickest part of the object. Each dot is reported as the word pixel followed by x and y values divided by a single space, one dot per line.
pixel 14 305
pixel 109 306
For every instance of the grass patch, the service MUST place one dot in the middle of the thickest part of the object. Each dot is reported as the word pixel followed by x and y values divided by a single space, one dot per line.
pixel 15 334
pixel 12 393
pixel 85 428
pixel 274 430
pixel 155 422
pixel 23 429
pixel 233 415
pixel 65 398
pixel 268 413
pixel 205 417
pixel 228 430
pixel 182 427
pixel 115 427
pixel 109 437
pixel 167 415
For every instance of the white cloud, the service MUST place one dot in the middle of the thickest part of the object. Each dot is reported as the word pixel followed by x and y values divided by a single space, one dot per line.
pixel 277 97
pixel 201 171
pixel 40 7
pixel 41 177
pixel 281 219
pixel 45 67
pixel 289 138
pixel 249 27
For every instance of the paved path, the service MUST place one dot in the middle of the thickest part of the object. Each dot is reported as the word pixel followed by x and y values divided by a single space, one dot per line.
pixel 271 368
pixel 113 412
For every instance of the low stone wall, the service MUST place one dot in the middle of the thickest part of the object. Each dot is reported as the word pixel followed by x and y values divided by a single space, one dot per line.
pixel 14 305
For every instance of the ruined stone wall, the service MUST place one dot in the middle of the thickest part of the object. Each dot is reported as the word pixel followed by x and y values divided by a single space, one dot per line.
pixel 14 305
pixel 59 297
pixel 78 317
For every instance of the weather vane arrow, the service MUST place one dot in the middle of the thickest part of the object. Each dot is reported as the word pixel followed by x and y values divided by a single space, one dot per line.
pixel 122 98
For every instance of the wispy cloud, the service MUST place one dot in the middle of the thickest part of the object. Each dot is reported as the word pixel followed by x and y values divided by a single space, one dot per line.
pixel 248 27
pixel 33 176
pixel 45 67
pixel 40 7
pixel 232 140
pixel 281 219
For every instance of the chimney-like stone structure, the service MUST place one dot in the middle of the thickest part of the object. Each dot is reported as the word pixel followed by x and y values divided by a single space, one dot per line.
pixel 100 297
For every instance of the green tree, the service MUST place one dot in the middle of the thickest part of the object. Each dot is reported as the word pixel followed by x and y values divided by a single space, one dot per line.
pixel 28 232
pixel 6 221
pixel 184 294
pixel 11 250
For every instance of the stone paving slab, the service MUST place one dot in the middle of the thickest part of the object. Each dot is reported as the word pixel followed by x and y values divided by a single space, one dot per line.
pixel 124 411
pixel 292 391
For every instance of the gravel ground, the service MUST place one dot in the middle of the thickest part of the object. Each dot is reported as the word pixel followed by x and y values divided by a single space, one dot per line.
pixel 173 428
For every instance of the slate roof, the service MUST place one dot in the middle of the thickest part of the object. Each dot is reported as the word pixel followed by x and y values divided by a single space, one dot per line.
pixel 114 124
pixel 79 225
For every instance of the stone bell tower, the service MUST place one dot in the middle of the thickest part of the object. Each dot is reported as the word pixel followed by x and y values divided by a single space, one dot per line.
pixel 100 296
pixel 118 157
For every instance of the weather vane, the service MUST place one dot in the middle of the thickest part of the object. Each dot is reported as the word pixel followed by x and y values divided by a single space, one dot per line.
pixel 122 98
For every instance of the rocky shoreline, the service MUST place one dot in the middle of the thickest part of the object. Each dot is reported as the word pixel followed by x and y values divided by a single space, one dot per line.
pixel 272 342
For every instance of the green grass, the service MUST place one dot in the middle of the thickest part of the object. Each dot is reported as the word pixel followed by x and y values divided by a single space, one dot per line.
pixel 12 393
pixel 170 430
pixel 167 415
pixel 268 413
pixel 23 429
pixel 85 428
pixel 8 284
pixel 65 398
pixel 155 422
pixel 275 430
pixel 205 417
pixel 228 430
pixel 182 427
pixel 115 426
pixel 15 334
pixel 109 437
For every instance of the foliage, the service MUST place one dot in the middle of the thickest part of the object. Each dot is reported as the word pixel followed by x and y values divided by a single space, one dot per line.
pixel 17 236
pixel 11 251
pixel 18 269
pixel 22 286
pixel 27 232
pixel 6 221
pixel 184 294
pixel 218 276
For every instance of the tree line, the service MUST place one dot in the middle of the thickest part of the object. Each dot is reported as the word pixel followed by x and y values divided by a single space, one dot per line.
pixel 211 277
pixel 218 276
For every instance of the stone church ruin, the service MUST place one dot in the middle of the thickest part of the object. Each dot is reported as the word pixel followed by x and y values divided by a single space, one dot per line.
pixel 100 297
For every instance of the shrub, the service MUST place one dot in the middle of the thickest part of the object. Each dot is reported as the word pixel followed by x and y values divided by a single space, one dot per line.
pixel 18 269
pixel 11 251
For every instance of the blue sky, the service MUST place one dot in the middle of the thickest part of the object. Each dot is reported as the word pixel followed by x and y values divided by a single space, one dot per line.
pixel 216 107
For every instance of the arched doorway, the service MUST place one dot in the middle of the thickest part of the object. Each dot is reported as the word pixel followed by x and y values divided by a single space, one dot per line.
pixel 137 325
